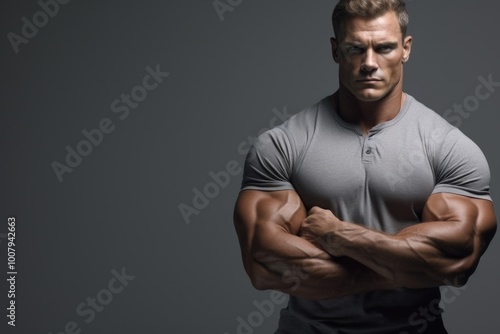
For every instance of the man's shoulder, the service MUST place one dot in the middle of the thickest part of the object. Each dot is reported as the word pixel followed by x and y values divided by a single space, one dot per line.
pixel 428 120
pixel 301 124
pixel 424 113
pixel 439 135
pixel 306 120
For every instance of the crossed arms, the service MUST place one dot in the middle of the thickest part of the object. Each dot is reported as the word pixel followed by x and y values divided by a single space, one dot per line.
pixel 326 258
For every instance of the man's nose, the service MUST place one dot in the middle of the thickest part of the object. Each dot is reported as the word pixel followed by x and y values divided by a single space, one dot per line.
pixel 369 63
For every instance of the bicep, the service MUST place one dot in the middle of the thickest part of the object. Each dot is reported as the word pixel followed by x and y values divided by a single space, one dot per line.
pixel 454 233
pixel 472 215
pixel 279 209
pixel 466 224
pixel 267 224
pixel 266 213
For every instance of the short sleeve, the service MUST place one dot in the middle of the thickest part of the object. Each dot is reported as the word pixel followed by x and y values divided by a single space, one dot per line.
pixel 461 168
pixel 268 165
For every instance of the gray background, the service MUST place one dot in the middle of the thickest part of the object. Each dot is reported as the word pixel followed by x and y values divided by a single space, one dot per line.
pixel 119 208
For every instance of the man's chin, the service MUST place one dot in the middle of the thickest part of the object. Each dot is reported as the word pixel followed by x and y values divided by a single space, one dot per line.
pixel 369 95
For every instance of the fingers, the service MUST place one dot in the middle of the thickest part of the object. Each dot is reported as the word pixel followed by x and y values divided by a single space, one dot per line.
pixel 314 209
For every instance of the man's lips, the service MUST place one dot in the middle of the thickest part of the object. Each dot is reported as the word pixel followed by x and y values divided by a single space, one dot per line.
pixel 369 80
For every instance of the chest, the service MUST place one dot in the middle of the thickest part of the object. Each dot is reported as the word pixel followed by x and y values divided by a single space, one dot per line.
pixel 384 176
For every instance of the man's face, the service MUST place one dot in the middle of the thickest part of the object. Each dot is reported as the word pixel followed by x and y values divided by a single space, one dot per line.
pixel 370 54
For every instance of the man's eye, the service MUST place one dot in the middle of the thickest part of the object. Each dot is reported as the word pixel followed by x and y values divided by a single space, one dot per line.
pixel 354 49
pixel 385 48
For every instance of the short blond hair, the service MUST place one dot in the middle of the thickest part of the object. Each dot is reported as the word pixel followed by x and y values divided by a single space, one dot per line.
pixel 346 9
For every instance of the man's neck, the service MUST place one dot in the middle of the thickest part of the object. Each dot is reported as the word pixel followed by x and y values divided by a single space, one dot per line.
pixel 368 114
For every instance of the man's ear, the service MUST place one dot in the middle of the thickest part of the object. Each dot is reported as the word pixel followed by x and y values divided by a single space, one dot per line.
pixel 407 48
pixel 335 49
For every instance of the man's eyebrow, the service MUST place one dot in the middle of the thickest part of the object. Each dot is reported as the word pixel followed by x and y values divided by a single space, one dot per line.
pixel 345 45
pixel 387 43
pixel 351 43
pixel 360 44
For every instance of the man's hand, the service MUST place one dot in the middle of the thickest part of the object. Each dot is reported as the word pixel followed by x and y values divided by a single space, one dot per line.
pixel 320 228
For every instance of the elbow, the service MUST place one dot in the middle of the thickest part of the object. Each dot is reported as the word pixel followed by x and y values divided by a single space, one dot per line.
pixel 259 274
pixel 259 283
pixel 261 280
pixel 459 274
pixel 458 280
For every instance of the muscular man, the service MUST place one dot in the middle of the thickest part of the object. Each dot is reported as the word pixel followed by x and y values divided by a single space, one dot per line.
pixel 362 205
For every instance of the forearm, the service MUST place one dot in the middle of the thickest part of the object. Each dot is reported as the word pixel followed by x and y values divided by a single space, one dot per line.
pixel 298 268
pixel 321 280
pixel 416 257
pixel 444 249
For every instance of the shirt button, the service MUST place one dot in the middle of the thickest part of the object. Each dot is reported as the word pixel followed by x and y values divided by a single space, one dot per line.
pixel 368 151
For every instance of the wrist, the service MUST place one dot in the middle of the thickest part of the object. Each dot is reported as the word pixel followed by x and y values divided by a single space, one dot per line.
pixel 329 244
pixel 334 239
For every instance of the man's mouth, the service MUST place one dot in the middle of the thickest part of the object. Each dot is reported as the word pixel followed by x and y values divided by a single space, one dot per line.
pixel 369 80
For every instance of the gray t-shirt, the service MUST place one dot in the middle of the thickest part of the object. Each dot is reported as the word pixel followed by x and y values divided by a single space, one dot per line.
pixel 382 181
